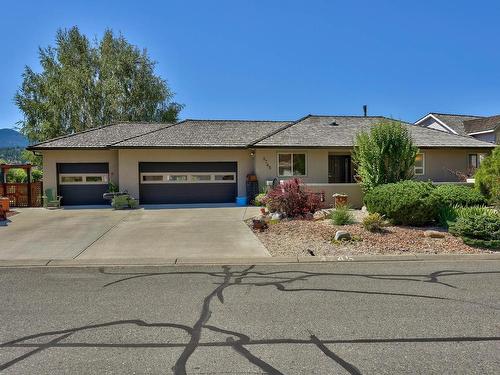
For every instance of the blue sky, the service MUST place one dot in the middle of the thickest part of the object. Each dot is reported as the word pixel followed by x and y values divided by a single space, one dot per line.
pixel 270 59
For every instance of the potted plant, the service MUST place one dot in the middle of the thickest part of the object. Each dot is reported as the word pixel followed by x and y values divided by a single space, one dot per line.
pixel 4 204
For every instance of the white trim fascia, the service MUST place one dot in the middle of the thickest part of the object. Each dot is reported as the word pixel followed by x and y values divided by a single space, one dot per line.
pixel 482 132
pixel 438 121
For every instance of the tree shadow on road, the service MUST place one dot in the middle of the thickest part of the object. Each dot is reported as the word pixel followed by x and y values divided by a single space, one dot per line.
pixel 283 281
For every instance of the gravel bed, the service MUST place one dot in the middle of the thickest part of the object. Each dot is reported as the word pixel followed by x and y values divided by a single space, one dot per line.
pixel 301 237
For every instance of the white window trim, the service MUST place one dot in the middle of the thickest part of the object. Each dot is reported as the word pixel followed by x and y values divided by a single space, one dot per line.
pixel 423 165
pixel 105 178
pixel 290 153
pixel 189 175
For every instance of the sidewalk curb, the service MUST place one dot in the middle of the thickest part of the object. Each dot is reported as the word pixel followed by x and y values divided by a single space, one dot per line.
pixel 154 262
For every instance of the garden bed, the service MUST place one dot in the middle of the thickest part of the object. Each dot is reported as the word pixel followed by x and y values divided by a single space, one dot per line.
pixel 300 237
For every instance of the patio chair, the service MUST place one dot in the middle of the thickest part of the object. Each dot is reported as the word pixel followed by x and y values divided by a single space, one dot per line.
pixel 50 200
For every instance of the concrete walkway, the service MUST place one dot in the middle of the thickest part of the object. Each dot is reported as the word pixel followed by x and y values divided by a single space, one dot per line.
pixel 151 232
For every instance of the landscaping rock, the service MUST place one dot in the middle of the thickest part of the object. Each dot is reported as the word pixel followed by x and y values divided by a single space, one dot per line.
pixel 276 216
pixel 342 235
pixel 434 234
pixel 320 215
pixel 308 216
pixel 259 224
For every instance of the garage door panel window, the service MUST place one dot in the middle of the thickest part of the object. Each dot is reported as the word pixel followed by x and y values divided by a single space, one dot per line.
pixel 200 177
pixel 83 179
pixel 190 178
pixel 224 177
pixel 178 178
pixel 151 178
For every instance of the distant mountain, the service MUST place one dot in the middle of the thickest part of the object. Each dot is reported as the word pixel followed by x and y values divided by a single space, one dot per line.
pixel 12 138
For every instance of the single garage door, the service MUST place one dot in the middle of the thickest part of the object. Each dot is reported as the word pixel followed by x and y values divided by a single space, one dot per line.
pixel 82 183
pixel 186 182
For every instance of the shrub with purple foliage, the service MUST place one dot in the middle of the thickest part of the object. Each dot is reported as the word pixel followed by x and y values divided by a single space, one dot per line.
pixel 293 199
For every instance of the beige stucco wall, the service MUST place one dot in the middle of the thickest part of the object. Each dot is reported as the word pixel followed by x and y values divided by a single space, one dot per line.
pixel 266 164
pixel 129 163
pixel 52 157
pixel 124 165
pixel 440 162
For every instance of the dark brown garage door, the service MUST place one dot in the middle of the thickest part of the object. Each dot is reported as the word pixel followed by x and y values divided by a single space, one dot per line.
pixel 82 183
pixel 187 182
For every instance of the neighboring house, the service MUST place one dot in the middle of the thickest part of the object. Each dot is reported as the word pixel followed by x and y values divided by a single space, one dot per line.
pixel 195 161
pixel 483 128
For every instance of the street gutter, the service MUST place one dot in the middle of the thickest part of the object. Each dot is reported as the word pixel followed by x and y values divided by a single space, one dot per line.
pixel 54 263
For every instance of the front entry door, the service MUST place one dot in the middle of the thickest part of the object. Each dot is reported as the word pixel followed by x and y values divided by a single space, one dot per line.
pixel 339 169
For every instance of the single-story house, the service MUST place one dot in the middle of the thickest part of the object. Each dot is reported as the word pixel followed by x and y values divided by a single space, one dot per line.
pixel 195 161
pixel 479 127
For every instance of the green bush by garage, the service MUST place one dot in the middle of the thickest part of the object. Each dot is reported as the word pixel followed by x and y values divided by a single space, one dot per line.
pixel 459 195
pixel 406 202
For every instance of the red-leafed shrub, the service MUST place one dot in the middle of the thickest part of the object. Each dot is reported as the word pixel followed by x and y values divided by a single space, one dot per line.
pixel 292 199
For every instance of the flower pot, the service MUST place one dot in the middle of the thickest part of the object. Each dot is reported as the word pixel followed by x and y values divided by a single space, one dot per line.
pixel 4 204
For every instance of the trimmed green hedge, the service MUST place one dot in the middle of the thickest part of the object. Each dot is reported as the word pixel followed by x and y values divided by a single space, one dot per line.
pixel 479 227
pixel 406 202
pixel 459 195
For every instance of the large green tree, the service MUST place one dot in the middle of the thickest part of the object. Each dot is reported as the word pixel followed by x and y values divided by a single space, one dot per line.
pixel 86 84
pixel 384 154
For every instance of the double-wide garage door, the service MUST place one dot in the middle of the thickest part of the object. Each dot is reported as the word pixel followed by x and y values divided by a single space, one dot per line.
pixel 187 182
pixel 82 183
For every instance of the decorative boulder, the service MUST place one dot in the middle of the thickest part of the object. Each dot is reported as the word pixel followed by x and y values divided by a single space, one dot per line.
pixel 276 216
pixel 320 215
pixel 434 234
pixel 342 235
pixel 259 224
pixel 308 216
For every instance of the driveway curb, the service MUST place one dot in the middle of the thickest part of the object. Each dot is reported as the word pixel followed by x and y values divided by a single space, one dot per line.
pixel 194 261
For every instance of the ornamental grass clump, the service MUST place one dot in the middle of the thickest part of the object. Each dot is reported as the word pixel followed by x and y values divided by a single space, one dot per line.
pixel 374 223
pixel 341 215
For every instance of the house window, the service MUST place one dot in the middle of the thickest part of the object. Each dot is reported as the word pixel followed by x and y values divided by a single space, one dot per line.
pixel 419 166
pixel 474 160
pixel 291 164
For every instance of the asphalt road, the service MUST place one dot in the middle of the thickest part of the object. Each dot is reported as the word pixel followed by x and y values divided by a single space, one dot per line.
pixel 337 318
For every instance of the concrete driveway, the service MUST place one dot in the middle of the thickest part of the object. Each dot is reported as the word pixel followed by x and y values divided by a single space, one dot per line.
pixel 150 232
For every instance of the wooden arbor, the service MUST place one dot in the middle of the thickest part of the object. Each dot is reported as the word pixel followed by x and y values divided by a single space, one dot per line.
pixel 20 194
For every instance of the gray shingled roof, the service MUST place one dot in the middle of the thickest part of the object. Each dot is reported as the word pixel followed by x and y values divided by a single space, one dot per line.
pixel 101 137
pixel 482 124
pixel 206 133
pixel 310 131
pixel 456 122
pixel 340 131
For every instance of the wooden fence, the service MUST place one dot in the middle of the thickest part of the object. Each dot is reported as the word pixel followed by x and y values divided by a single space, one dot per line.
pixel 19 194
